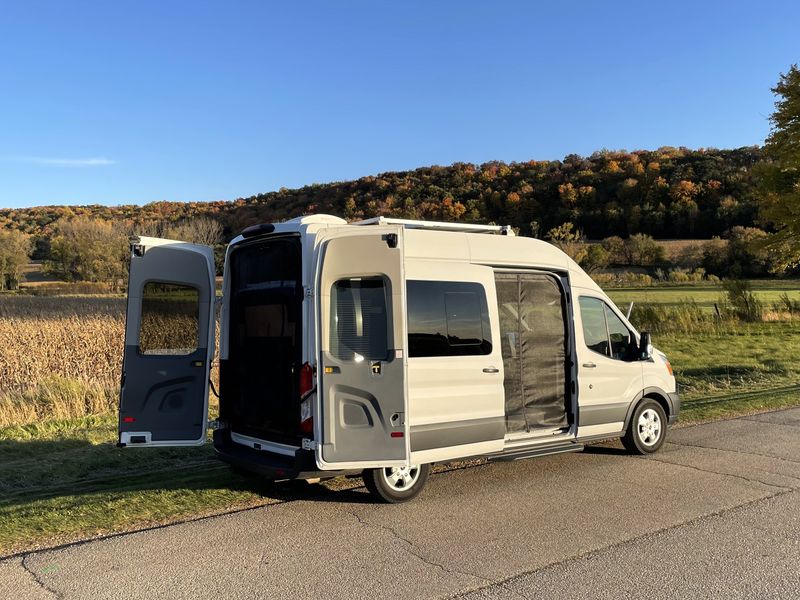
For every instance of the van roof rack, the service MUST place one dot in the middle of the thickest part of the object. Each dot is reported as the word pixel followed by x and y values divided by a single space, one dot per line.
pixel 438 225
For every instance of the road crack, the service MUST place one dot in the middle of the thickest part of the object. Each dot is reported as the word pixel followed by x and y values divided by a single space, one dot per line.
pixel 789 460
pixel 411 549
pixel 742 477
pixel 38 580
pixel 597 551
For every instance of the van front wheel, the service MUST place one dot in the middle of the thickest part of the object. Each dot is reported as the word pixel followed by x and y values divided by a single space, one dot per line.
pixel 647 429
pixel 396 484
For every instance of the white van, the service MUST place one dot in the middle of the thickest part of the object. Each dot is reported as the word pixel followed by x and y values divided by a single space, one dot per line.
pixel 380 347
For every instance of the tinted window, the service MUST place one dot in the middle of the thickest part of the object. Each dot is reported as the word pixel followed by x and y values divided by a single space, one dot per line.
pixel 170 319
pixel 619 335
pixel 359 323
pixel 594 324
pixel 604 331
pixel 447 318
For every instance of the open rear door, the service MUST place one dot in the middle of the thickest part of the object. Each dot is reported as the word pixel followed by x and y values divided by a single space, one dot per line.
pixel 362 335
pixel 169 344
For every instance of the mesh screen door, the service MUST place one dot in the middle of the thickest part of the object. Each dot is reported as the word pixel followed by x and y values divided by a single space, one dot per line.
pixel 533 344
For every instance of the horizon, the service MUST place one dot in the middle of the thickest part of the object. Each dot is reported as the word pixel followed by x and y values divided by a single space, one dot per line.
pixel 131 103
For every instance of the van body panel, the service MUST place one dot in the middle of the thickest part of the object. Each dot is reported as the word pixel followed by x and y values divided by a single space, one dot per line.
pixel 169 344
pixel 466 390
pixel 361 317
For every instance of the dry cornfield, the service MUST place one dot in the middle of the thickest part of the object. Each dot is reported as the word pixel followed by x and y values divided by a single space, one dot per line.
pixel 60 357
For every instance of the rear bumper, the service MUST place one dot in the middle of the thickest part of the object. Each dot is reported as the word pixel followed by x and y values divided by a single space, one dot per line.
pixel 302 465
pixel 674 400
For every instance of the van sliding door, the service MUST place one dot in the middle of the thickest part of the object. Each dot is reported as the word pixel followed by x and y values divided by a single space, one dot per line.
pixel 533 328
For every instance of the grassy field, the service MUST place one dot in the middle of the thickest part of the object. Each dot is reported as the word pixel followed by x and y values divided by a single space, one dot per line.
pixel 705 295
pixel 62 478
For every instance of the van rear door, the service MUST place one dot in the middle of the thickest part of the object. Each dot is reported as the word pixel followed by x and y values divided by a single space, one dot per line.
pixel 169 344
pixel 362 340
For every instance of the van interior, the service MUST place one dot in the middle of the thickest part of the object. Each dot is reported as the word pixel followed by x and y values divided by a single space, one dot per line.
pixel 259 381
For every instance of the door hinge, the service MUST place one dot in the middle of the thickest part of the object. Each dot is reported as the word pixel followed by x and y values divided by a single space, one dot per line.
pixel 217 424
pixel 309 444
pixel 218 300
pixel 308 291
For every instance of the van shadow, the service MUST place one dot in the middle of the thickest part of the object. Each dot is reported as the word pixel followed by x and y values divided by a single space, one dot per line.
pixel 605 450
pixel 77 472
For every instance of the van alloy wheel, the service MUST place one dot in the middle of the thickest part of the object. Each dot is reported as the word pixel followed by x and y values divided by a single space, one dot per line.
pixel 396 484
pixel 649 427
pixel 401 479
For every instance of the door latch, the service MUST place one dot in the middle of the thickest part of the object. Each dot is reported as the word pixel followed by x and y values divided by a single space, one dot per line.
pixel 309 444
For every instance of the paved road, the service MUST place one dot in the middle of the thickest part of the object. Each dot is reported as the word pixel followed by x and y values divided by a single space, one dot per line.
pixel 715 514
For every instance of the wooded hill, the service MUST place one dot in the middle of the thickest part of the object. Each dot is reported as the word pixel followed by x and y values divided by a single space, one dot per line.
pixel 667 193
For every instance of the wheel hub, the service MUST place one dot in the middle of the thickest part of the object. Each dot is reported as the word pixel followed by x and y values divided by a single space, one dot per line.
pixel 401 478
pixel 649 427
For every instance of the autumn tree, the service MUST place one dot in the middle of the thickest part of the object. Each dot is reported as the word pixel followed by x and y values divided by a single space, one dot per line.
pixel 568 240
pixel 202 230
pixel 780 174
pixel 84 249
pixel 15 249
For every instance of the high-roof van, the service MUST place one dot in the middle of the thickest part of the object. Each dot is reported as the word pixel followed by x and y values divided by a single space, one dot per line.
pixel 380 347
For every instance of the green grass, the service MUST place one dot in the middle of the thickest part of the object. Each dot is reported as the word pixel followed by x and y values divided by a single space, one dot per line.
pixel 67 480
pixel 704 294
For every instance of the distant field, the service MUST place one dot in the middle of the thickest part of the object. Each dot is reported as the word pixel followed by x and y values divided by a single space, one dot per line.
pixel 705 295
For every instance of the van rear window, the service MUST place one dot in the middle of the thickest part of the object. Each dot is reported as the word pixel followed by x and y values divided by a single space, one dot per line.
pixel 447 318
pixel 359 320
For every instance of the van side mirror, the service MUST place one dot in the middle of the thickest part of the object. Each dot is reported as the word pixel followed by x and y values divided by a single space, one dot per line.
pixel 645 346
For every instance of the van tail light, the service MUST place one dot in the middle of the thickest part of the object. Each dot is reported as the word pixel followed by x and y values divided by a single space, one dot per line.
pixel 306 379
pixel 306 387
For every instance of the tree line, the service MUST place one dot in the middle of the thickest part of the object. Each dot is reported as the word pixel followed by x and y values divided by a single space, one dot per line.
pixel 744 201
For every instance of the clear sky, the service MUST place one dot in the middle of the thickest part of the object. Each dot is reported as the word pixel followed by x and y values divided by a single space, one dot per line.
pixel 129 102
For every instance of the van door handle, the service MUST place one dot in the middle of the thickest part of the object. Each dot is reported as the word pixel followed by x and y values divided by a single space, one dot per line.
pixel 589 365
pixel 491 370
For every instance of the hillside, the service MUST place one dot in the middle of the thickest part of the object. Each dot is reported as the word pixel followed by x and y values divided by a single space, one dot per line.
pixel 667 193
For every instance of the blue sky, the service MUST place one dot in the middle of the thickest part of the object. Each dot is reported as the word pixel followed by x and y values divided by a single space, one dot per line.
pixel 131 102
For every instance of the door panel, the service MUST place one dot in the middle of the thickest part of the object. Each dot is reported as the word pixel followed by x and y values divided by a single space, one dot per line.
pixel 362 349
pixel 169 343
pixel 455 379
pixel 606 385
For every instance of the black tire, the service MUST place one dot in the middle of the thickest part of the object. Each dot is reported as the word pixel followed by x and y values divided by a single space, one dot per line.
pixel 647 436
pixel 379 483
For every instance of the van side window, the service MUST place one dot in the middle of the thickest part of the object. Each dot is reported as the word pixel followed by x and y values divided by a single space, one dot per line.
pixel 359 321
pixel 447 318
pixel 603 331
pixel 169 319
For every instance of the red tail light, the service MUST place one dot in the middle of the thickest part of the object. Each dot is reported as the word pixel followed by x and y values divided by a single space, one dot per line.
pixel 128 419
pixel 306 379
pixel 307 426
pixel 306 385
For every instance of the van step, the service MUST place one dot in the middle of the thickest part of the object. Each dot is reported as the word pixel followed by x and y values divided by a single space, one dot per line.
pixel 533 452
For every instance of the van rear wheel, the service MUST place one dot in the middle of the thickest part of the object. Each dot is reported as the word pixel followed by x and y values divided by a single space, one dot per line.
pixel 396 484
pixel 647 429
